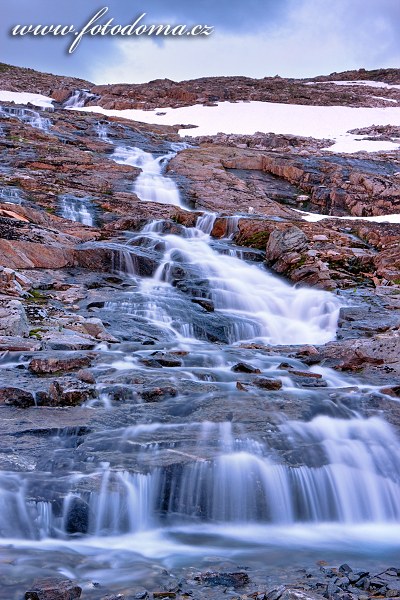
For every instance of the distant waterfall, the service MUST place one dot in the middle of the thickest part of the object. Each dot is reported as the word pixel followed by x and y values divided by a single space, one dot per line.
pixel 78 99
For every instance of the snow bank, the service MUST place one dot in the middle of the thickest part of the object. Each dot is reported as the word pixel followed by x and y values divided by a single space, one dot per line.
pixel 360 82
pixel 329 122
pixel 314 217
pixel 25 98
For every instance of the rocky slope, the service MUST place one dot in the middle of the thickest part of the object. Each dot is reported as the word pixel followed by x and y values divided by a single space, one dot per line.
pixel 163 93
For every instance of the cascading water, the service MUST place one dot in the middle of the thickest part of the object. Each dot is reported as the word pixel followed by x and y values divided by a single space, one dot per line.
pixel 10 195
pixel 151 185
pixel 78 99
pixel 348 472
pixel 258 304
pixel 151 476
pixel 77 209
pixel 102 132
pixel 27 115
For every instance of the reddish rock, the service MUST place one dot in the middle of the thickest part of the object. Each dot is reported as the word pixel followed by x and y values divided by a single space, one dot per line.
pixel 45 366
pixel 86 376
pixel 17 397
pixel 53 589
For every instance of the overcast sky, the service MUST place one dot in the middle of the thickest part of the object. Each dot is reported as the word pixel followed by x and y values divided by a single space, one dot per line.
pixel 257 38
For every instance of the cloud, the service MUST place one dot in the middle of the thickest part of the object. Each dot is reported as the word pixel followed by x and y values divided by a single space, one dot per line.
pixel 255 38
pixel 302 46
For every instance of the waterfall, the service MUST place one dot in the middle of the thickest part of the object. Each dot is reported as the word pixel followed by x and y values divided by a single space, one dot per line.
pixel 206 222
pixel 127 489
pixel 102 132
pixel 77 209
pixel 350 474
pixel 27 115
pixel 10 195
pixel 151 185
pixel 78 99
pixel 231 226
pixel 259 304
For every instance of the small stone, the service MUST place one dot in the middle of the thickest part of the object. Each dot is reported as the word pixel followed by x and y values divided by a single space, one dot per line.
pixel 244 368
pixel 377 583
pixel 241 387
pixel 345 568
pixel 77 520
pixel 364 582
pixel 206 304
pixel 234 580
pixel 158 393
pixel 44 366
pixel 268 383
pixel 166 360
pixel 343 582
pixel 86 376
pixel 275 593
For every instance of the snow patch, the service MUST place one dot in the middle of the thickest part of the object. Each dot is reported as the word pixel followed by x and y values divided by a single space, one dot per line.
pixel 314 218
pixel 360 82
pixel 247 118
pixel 26 98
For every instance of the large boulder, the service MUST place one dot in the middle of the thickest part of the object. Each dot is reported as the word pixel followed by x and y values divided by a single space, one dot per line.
pixel 13 320
pixel 291 239
pixel 46 366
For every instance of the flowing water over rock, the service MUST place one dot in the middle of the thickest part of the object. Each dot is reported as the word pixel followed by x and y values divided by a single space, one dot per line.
pixel 10 195
pixel 203 442
pixel 151 184
pixel 78 99
pixel 102 132
pixel 27 115
pixel 77 209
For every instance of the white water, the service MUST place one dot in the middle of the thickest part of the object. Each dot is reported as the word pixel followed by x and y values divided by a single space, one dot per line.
pixel 27 115
pixel 76 209
pixel 151 185
pixel 102 132
pixel 181 491
pixel 10 196
pixel 78 99
pixel 262 305
pixel 349 473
